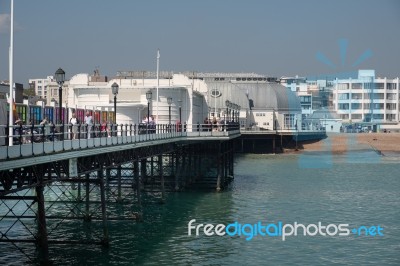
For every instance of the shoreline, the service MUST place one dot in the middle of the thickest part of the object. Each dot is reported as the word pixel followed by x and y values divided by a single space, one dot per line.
pixel 340 143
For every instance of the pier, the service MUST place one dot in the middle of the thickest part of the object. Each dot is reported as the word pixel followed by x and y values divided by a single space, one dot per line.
pixel 45 185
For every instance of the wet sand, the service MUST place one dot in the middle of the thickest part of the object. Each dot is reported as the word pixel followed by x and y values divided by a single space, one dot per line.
pixel 341 143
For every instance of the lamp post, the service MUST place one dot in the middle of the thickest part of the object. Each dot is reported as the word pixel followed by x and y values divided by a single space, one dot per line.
pixel 149 95
pixel 230 105
pixel 169 101
pixel 227 109
pixel 239 114
pixel 114 89
pixel 180 115
pixel 60 78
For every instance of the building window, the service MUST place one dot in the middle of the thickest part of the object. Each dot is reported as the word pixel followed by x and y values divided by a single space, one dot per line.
pixel 391 106
pixel 289 121
pixel 356 96
pixel 356 116
pixel 391 96
pixel 390 86
pixel 391 117
pixel 343 96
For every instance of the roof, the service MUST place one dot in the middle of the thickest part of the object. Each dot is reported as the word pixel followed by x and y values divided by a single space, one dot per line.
pixel 264 95
pixel 324 114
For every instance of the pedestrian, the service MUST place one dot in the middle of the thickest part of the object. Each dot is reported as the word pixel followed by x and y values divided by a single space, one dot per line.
pixel 74 121
pixel 89 123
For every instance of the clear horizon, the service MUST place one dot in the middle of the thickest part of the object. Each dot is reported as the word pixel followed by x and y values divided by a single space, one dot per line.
pixel 273 38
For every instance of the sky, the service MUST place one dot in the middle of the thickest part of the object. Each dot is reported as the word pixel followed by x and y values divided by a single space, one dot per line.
pixel 275 38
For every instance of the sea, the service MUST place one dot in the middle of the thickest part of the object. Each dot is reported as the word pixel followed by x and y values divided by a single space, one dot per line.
pixel 346 208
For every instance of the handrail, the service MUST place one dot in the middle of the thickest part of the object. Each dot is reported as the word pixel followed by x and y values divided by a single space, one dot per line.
pixel 33 140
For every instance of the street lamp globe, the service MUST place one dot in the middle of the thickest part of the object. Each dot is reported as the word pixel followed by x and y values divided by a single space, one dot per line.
pixel 114 88
pixel 149 95
pixel 60 75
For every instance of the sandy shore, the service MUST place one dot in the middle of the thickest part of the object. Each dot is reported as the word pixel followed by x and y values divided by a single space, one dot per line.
pixel 340 143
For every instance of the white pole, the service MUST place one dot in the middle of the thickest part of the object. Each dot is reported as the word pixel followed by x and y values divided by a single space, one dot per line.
pixel 158 81
pixel 11 117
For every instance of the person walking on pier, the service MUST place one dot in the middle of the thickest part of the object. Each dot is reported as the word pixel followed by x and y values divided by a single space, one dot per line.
pixel 74 126
pixel 89 123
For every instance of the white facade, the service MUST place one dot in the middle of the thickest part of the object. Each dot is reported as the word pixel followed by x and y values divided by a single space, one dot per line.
pixel 367 99
pixel 299 85
pixel 41 86
pixel 131 99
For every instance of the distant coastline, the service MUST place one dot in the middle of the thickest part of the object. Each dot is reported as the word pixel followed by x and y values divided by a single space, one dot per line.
pixel 344 142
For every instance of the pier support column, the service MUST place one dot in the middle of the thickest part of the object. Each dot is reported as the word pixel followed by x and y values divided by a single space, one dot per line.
pixel 189 171
pixel 87 213
pixel 119 198
pixel 137 178
pixel 273 145
pixel 105 240
pixel 108 175
pixel 160 169
pixel 79 196
pixel 219 158
pixel 43 244
pixel 177 171
pixel 218 175
pixel 143 170
pixel 231 162
pixel 152 167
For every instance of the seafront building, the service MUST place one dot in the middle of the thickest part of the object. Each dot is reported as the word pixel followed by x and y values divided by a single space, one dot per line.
pixel 371 103
pixel 255 101
pixel 41 86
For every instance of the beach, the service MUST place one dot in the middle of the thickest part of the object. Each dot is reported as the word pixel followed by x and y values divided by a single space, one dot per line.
pixel 343 142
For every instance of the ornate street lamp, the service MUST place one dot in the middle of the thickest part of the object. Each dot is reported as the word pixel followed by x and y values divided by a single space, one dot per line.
pixel 169 101
pixel 60 78
pixel 227 110
pixel 180 115
pixel 114 89
pixel 149 95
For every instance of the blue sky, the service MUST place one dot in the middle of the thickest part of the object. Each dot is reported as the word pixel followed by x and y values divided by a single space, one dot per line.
pixel 275 38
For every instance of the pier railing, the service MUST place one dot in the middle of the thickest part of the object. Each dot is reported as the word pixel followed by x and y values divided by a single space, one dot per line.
pixel 33 140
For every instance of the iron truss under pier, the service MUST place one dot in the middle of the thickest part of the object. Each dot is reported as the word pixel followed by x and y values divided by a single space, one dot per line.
pixel 39 195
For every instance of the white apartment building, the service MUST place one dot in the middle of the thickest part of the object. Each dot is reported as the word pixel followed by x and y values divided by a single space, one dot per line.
pixel 41 86
pixel 299 85
pixel 367 100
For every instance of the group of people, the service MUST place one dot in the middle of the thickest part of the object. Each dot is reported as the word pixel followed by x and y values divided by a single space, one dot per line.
pixel 105 129
pixel 148 125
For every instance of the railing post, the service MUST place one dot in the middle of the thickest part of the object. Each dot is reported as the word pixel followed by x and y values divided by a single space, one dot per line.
pixel 20 134
pixel 7 136
pixel 32 129
pixel 54 129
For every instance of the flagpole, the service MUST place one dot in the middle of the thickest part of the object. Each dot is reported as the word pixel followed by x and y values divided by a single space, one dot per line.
pixel 158 81
pixel 11 56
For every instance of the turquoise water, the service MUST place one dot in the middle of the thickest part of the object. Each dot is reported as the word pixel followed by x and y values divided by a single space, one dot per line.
pixel 358 189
